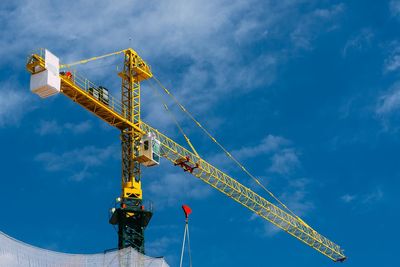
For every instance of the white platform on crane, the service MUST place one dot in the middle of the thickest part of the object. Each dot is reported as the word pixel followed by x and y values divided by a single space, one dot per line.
pixel 47 83
pixel 14 253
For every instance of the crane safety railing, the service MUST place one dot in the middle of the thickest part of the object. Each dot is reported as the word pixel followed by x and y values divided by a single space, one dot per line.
pixel 40 52
pixel 92 89
pixel 245 196
pixel 84 84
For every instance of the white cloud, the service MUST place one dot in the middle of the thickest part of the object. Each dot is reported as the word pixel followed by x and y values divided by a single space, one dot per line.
pixel 392 61
pixel 78 128
pixel 285 161
pixel 13 105
pixel 276 154
pixel 296 198
pixel 389 102
pixel 250 27
pixel 53 127
pixel 310 25
pixel 268 229
pixel 78 162
pixel 276 150
pixel 347 198
pixel 394 7
pixel 48 127
pixel 174 186
pixel 359 42
pixel 268 144
pixel 373 196
pixel 330 13
pixel 207 37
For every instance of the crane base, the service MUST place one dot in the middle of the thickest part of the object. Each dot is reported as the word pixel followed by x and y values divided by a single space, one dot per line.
pixel 131 221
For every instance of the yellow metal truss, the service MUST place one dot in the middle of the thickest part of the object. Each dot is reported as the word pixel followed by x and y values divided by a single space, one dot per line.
pixel 134 71
pixel 117 115
pixel 246 197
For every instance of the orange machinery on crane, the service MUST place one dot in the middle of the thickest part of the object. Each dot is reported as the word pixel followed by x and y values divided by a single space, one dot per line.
pixel 145 145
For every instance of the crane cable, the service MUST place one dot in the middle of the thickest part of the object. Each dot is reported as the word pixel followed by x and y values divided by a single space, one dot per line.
pixel 227 152
pixel 84 61
pixel 199 125
pixel 174 119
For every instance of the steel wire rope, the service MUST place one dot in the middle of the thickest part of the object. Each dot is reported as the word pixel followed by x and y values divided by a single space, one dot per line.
pixel 171 114
pixel 174 119
pixel 227 153
pixel 204 130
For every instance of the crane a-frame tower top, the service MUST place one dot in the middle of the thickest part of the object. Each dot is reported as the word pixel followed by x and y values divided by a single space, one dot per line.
pixel 143 145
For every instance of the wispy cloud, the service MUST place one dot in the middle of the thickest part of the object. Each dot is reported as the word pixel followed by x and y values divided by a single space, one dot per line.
pixel 78 163
pixel 373 196
pixel 212 53
pixel 49 127
pixel 310 25
pixel 389 102
pixel 53 127
pixel 392 61
pixel 394 7
pixel 276 149
pixel 347 198
pixel 296 197
pixel 359 42
pixel 174 186
pixel 285 161
pixel 13 104
pixel 267 228
pixel 268 144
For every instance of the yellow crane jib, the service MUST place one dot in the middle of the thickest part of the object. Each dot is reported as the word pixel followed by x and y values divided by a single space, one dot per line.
pixel 229 186
pixel 145 145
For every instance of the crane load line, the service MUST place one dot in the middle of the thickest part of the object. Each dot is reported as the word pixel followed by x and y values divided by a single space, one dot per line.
pixel 227 153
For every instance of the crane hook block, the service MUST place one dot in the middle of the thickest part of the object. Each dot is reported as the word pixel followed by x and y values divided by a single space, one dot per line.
pixel 187 210
pixel 46 82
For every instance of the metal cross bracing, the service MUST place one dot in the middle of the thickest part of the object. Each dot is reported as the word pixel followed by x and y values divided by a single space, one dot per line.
pixel 131 217
pixel 125 115
pixel 77 89
pixel 130 136
pixel 245 196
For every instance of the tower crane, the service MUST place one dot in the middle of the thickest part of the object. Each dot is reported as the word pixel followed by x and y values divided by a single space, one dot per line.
pixel 143 145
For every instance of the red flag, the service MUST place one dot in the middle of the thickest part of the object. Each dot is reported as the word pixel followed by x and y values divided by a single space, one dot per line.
pixel 187 210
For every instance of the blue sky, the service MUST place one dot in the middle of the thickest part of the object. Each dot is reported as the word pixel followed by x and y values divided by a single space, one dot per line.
pixel 305 93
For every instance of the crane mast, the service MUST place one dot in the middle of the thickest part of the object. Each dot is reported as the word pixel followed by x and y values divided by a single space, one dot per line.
pixel 131 215
pixel 130 137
